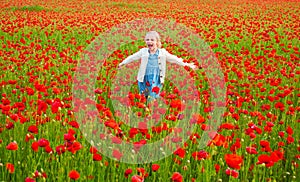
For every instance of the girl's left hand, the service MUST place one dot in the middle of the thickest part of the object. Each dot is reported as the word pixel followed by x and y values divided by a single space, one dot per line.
pixel 192 65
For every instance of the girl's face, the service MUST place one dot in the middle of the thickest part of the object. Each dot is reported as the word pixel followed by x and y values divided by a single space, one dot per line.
pixel 151 42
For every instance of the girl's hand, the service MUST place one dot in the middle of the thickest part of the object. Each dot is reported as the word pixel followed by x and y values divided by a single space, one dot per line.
pixel 192 65
pixel 120 66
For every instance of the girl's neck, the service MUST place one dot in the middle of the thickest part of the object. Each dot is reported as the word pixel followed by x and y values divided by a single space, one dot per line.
pixel 153 52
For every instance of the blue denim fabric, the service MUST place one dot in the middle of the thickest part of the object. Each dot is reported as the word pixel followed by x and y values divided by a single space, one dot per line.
pixel 152 77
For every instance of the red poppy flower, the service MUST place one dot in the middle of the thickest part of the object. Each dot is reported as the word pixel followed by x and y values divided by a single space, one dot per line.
pixel 74 147
pixel 60 149
pixel 155 167
pixel 171 96
pixel 289 130
pixel 71 131
pixel 74 124
pixel 9 125
pixel 277 155
pixel 5 109
pixel 137 178
pixel 112 124
pixel 97 157
pixel 10 167
pixel 22 40
pixel 69 137
pixel 236 145
pixel 133 132
pixel 74 175
pixel 217 167
pixel 36 174
pixel 232 173
pixel 177 177
pixel 200 155
pixel 48 149
pixel 279 105
pixel 35 146
pixel 227 126
pixel 265 159
pixel 29 179
pixel 281 134
pixel 117 154
pixel 43 142
pixel 55 106
pixel 116 140
pixel 93 150
pixel 40 87
pixel 233 160
pixel 251 150
pixel 170 117
pixel 42 107
pixel 155 90
pixel 12 146
pixel 127 172
pixel 219 140
pixel 139 144
pixel 265 146
pixel 281 144
pixel 197 118
pixel 270 124
pixel 239 102
pixel 141 170
pixel 290 139
pixel 29 137
pixel 29 91
pixel 180 152
pixel 33 129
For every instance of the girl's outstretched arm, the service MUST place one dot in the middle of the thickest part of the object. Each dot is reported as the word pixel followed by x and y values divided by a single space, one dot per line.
pixel 174 59
pixel 131 58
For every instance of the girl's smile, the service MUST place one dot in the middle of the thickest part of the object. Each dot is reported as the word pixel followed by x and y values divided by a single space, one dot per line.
pixel 151 43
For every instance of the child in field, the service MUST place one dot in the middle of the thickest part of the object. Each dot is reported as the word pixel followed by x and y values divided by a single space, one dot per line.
pixel 152 69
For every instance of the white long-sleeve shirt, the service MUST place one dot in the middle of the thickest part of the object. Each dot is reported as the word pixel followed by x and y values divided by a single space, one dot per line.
pixel 163 57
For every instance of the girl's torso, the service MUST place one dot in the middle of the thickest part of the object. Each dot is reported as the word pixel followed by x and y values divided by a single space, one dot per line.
pixel 152 65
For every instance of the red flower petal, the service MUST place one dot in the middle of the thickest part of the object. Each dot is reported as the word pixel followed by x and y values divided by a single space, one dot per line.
pixel 177 177
pixel 10 167
pixel 74 175
pixel 12 146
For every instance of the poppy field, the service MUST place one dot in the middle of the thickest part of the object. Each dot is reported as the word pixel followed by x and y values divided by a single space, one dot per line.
pixel 256 44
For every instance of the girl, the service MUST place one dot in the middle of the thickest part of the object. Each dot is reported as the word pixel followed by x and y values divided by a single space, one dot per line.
pixel 152 69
